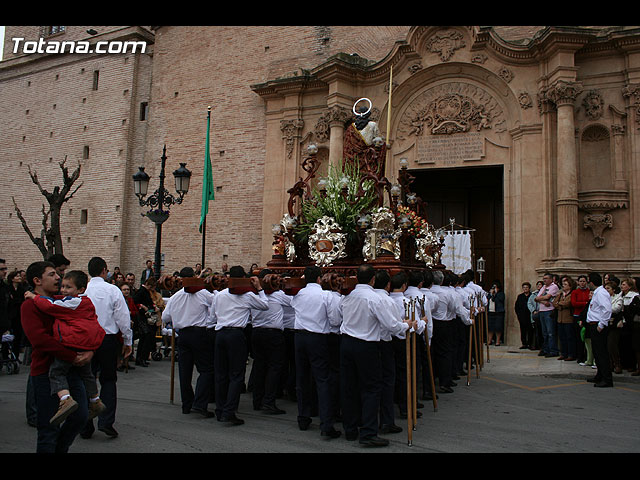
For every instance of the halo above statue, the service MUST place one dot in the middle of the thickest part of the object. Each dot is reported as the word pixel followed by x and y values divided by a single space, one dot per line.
pixel 355 111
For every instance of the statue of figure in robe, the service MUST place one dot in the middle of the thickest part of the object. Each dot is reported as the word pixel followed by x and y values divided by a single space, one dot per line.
pixel 363 143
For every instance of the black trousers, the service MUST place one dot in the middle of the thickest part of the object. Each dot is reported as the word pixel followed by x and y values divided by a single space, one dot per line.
pixel 104 367
pixel 360 386
pixel 312 364
pixel 334 371
pixel 288 377
pixel 195 349
pixel 268 347
pixel 526 330
pixel 460 343
pixel 600 353
pixel 442 350
pixel 388 381
pixel 230 361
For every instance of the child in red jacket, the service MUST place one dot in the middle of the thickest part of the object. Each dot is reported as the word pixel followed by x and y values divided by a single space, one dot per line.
pixel 76 326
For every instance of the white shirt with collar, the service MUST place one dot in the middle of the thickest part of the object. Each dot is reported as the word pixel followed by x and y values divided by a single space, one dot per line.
pixel 364 315
pixel 600 307
pixel 111 308
pixel 185 309
pixel 419 294
pixel 443 300
pixel 234 310
pixel 401 299
pixel 273 317
pixel 463 305
pixel 314 309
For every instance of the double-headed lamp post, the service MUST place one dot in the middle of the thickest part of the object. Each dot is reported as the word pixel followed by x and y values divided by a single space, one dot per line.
pixel 161 200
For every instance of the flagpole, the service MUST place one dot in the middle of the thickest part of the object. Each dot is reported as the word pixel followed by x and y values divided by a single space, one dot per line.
pixel 204 222
pixel 387 160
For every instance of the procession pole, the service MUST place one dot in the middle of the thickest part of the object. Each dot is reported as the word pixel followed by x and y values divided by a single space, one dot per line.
pixel 173 360
pixel 414 399
pixel 431 380
pixel 408 375
pixel 470 350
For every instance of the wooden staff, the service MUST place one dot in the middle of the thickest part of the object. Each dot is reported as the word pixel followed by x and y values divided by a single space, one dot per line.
pixel 431 380
pixel 409 382
pixel 414 399
pixel 470 345
pixel 173 359
pixel 479 333
pixel 486 326
pixel 473 327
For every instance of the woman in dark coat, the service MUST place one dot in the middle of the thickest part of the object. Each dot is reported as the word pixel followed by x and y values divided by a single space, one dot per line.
pixel 495 310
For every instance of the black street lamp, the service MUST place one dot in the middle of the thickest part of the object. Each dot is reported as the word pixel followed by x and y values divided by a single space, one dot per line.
pixel 160 202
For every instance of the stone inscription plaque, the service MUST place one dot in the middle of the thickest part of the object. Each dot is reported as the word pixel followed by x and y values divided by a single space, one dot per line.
pixel 450 149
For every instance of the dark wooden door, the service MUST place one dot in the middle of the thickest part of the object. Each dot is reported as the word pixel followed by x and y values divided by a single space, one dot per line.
pixel 474 197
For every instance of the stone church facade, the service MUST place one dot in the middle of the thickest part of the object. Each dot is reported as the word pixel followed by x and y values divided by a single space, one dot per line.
pixel 529 133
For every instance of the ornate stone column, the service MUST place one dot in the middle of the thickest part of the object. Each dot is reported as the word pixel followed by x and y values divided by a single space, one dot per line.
pixel 564 94
pixel 338 115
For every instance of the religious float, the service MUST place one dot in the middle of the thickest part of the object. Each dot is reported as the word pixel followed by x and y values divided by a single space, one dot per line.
pixel 355 214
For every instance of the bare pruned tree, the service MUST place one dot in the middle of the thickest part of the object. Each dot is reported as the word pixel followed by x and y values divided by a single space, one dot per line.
pixel 50 239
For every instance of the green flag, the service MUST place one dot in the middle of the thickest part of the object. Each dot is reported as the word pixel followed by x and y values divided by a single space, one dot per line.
pixel 207 178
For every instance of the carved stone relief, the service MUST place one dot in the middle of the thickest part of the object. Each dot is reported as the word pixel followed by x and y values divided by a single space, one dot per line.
pixel 450 108
pixel 593 104
pixel 445 43
pixel 632 92
pixel 333 115
pixel 563 93
pixel 506 74
pixel 525 100
pixel 290 130
pixel 597 222
pixel 479 58
pixel 414 67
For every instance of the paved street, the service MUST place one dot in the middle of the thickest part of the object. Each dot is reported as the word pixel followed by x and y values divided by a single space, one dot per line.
pixel 521 403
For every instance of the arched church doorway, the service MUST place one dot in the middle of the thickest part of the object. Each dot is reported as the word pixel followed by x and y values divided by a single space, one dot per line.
pixel 474 197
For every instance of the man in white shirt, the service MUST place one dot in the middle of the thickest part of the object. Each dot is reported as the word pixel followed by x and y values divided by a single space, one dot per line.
pixel 442 343
pixel 364 316
pixel 230 312
pixel 598 317
pixel 313 307
pixel 188 313
pixel 268 347
pixel 462 322
pixel 113 315
pixel 382 287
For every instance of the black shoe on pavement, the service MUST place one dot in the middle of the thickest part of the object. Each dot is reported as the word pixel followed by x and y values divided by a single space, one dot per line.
pixel 446 390
pixel 272 410
pixel 109 431
pixel 374 441
pixel 330 434
pixel 384 429
pixel 303 423
pixel 232 420
pixel 603 385
pixel 204 413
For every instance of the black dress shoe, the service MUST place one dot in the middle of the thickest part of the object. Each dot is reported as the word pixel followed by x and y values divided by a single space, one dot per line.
pixel 330 434
pixel 374 441
pixel 456 377
pixel 109 431
pixel 204 413
pixel 453 384
pixel 592 380
pixel 272 410
pixel 603 385
pixel 351 436
pixel 390 429
pixel 303 423
pixel 419 405
pixel 445 389
pixel 232 420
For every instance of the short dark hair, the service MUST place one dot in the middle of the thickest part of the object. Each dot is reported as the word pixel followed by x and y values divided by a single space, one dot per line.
pixel 398 280
pixel 527 284
pixel 264 272
pixel 36 269
pixel 428 279
pixel 78 277
pixel 96 266
pixel 382 279
pixel 2 260
pixel 311 273
pixel 58 260
pixel 595 278
pixel 365 273
pixel 186 272
pixel 237 271
pixel 415 278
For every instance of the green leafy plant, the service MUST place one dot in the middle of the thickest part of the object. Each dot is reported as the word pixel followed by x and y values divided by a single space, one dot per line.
pixel 333 204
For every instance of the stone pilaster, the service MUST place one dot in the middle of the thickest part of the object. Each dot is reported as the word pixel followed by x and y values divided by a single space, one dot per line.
pixel 564 94
pixel 338 115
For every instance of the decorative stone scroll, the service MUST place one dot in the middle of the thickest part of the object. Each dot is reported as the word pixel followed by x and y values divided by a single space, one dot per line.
pixel 597 222
pixel 593 104
pixel 455 107
pixel 446 43
pixel 290 130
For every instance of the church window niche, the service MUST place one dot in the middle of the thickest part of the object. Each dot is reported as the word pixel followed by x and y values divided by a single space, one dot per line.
pixel 595 159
